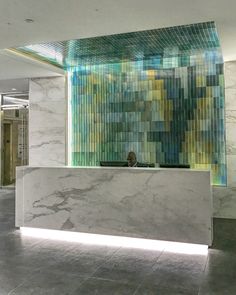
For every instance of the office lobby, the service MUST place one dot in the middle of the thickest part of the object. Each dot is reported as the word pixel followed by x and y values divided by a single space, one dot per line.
pixel 118 147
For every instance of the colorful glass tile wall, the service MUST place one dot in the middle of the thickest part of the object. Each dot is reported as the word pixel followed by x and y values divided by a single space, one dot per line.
pixel 165 110
pixel 159 93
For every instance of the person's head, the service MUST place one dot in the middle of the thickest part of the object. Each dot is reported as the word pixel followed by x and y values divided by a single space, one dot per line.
pixel 131 158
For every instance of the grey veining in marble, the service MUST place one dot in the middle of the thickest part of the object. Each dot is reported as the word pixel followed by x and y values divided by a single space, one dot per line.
pixel 162 204
pixel 224 201
pixel 230 138
pixel 231 170
pixel 230 99
pixel 230 77
pixel 230 116
pixel 47 122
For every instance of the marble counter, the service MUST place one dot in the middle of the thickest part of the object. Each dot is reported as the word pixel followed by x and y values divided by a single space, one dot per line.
pixel 162 204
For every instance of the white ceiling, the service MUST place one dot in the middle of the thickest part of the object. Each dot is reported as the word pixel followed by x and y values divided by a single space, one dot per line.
pixel 16 69
pixel 57 20
pixel 14 85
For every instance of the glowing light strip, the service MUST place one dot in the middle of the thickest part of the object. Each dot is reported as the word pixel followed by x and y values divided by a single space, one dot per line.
pixel 69 118
pixel 46 52
pixel 16 99
pixel 115 241
pixel 13 106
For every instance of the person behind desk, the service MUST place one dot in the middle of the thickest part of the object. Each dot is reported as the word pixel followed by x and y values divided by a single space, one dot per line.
pixel 132 160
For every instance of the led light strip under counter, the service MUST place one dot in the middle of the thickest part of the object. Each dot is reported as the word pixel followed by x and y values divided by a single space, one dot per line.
pixel 115 241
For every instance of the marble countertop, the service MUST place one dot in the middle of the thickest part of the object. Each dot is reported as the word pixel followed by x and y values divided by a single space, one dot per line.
pixel 119 168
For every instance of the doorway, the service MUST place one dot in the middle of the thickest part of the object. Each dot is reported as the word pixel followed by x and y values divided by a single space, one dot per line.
pixel 14 143
pixel 7 154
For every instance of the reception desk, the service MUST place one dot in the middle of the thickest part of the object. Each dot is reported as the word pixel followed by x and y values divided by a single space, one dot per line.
pixel 151 203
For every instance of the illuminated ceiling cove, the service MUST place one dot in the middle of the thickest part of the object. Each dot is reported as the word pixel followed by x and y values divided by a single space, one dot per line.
pixel 166 42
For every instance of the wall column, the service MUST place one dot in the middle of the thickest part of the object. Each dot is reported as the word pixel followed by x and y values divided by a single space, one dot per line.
pixel 225 197
pixel 47 122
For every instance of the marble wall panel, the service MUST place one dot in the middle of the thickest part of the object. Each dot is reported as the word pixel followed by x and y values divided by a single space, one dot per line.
pixel 230 136
pixel 230 98
pixel 225 197
pixel 230 75
pixel 230 117
pixel 47 122
pixel 19 211
pixel 224 202
pixel 231 168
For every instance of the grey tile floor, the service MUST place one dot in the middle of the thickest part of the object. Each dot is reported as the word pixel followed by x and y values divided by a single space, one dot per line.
pixel 36 266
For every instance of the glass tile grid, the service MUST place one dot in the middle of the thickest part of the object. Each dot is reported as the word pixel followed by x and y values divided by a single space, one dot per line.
pixel 173 115
pixel 165 42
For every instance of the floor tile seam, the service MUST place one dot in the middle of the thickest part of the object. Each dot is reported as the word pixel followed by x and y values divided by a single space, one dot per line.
pixel 207 260
pixel 110 258
pixel 157 259
pixel 121 281
pixel 164 287
pixel 62 272
pixel 75 288
pixel 183 267
pixel 203 274
pixel 138 287
pixel 101 279
pixel 85 279
pixel 22 283
pixel 110 280
pixel 82 252
pixel 28 277
pixel 105 261
pixel 162 252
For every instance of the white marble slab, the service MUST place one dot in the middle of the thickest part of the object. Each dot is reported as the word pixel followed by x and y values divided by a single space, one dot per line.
pixel 19 204
pixel 224 202
pixel 224 199
pixel 47 122
pixel 231 171
pixel 230 76
pixel 230 138
pixel 230 99
pixel 230 116
pixel 166 204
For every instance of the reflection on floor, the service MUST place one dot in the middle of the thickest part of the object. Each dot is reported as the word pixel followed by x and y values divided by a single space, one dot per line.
pixel 35 266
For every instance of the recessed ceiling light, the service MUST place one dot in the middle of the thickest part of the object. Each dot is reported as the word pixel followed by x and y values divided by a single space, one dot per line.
pixel 29 20
pixel 13 89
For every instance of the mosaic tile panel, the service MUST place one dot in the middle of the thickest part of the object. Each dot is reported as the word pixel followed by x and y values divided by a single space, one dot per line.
pixel 159 93
pixel 173 115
